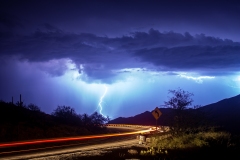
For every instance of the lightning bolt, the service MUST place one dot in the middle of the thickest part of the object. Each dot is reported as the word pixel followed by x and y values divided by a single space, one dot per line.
pixel 101 100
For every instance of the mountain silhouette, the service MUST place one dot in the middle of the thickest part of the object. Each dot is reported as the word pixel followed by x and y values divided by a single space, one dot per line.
pixel 224 113
pixel 146 118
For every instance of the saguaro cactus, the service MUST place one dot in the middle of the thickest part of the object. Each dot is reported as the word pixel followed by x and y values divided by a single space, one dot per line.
pixel 21 100
pixel 20 103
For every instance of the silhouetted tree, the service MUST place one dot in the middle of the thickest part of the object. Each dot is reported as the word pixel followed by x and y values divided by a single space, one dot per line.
pixel 67 114
pixel 86 120
pixel 180 101
pixel 33 107
pixel 98 119
pixel 64 111
pixel 94 122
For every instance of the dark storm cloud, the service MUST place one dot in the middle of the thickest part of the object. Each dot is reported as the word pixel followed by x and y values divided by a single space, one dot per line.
pixel 8 21
pixel 167 51
pixel 172 39
pixel 9 25
pixel 107 17
pixel 193 57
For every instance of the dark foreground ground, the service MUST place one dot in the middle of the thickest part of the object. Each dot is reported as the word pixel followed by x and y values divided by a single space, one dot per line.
pixel 134 153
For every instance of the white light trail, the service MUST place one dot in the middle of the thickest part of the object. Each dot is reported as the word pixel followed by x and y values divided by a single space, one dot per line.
pixel 101 100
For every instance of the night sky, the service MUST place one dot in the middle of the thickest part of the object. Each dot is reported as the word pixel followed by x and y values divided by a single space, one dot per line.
pixel 126 53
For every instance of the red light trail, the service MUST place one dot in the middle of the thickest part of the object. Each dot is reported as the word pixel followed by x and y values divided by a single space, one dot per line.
pixel 14 144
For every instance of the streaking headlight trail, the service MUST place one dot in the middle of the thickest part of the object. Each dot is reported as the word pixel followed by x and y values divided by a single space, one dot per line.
pixel 101 100
pixel 64 139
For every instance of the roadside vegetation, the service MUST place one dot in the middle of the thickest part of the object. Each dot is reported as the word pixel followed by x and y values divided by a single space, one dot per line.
pixel 25 122
pixel 190 135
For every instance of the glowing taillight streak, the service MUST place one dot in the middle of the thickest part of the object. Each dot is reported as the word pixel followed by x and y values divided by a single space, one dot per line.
pixel 69 139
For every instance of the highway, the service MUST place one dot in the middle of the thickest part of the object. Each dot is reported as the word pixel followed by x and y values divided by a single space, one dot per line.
pixel 58 146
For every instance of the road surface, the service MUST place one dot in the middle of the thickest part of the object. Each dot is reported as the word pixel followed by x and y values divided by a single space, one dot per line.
pixel 96 142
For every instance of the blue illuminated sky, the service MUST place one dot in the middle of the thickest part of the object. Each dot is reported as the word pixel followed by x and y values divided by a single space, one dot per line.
pixel 68 53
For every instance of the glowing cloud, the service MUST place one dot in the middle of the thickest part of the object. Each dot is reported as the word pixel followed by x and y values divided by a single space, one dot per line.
pixel 101 100
pixel 198 79
pixel 234 83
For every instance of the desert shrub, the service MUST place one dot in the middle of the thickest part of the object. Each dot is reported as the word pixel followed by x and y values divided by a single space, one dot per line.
pixel 186 141
pixel 201 145
pixel 216 139
pixel 33 107
pixel 67 115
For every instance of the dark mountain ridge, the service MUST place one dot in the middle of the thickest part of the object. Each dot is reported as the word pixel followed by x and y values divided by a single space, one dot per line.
pixel 224 113
pixel 146 118
pixel 19 123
